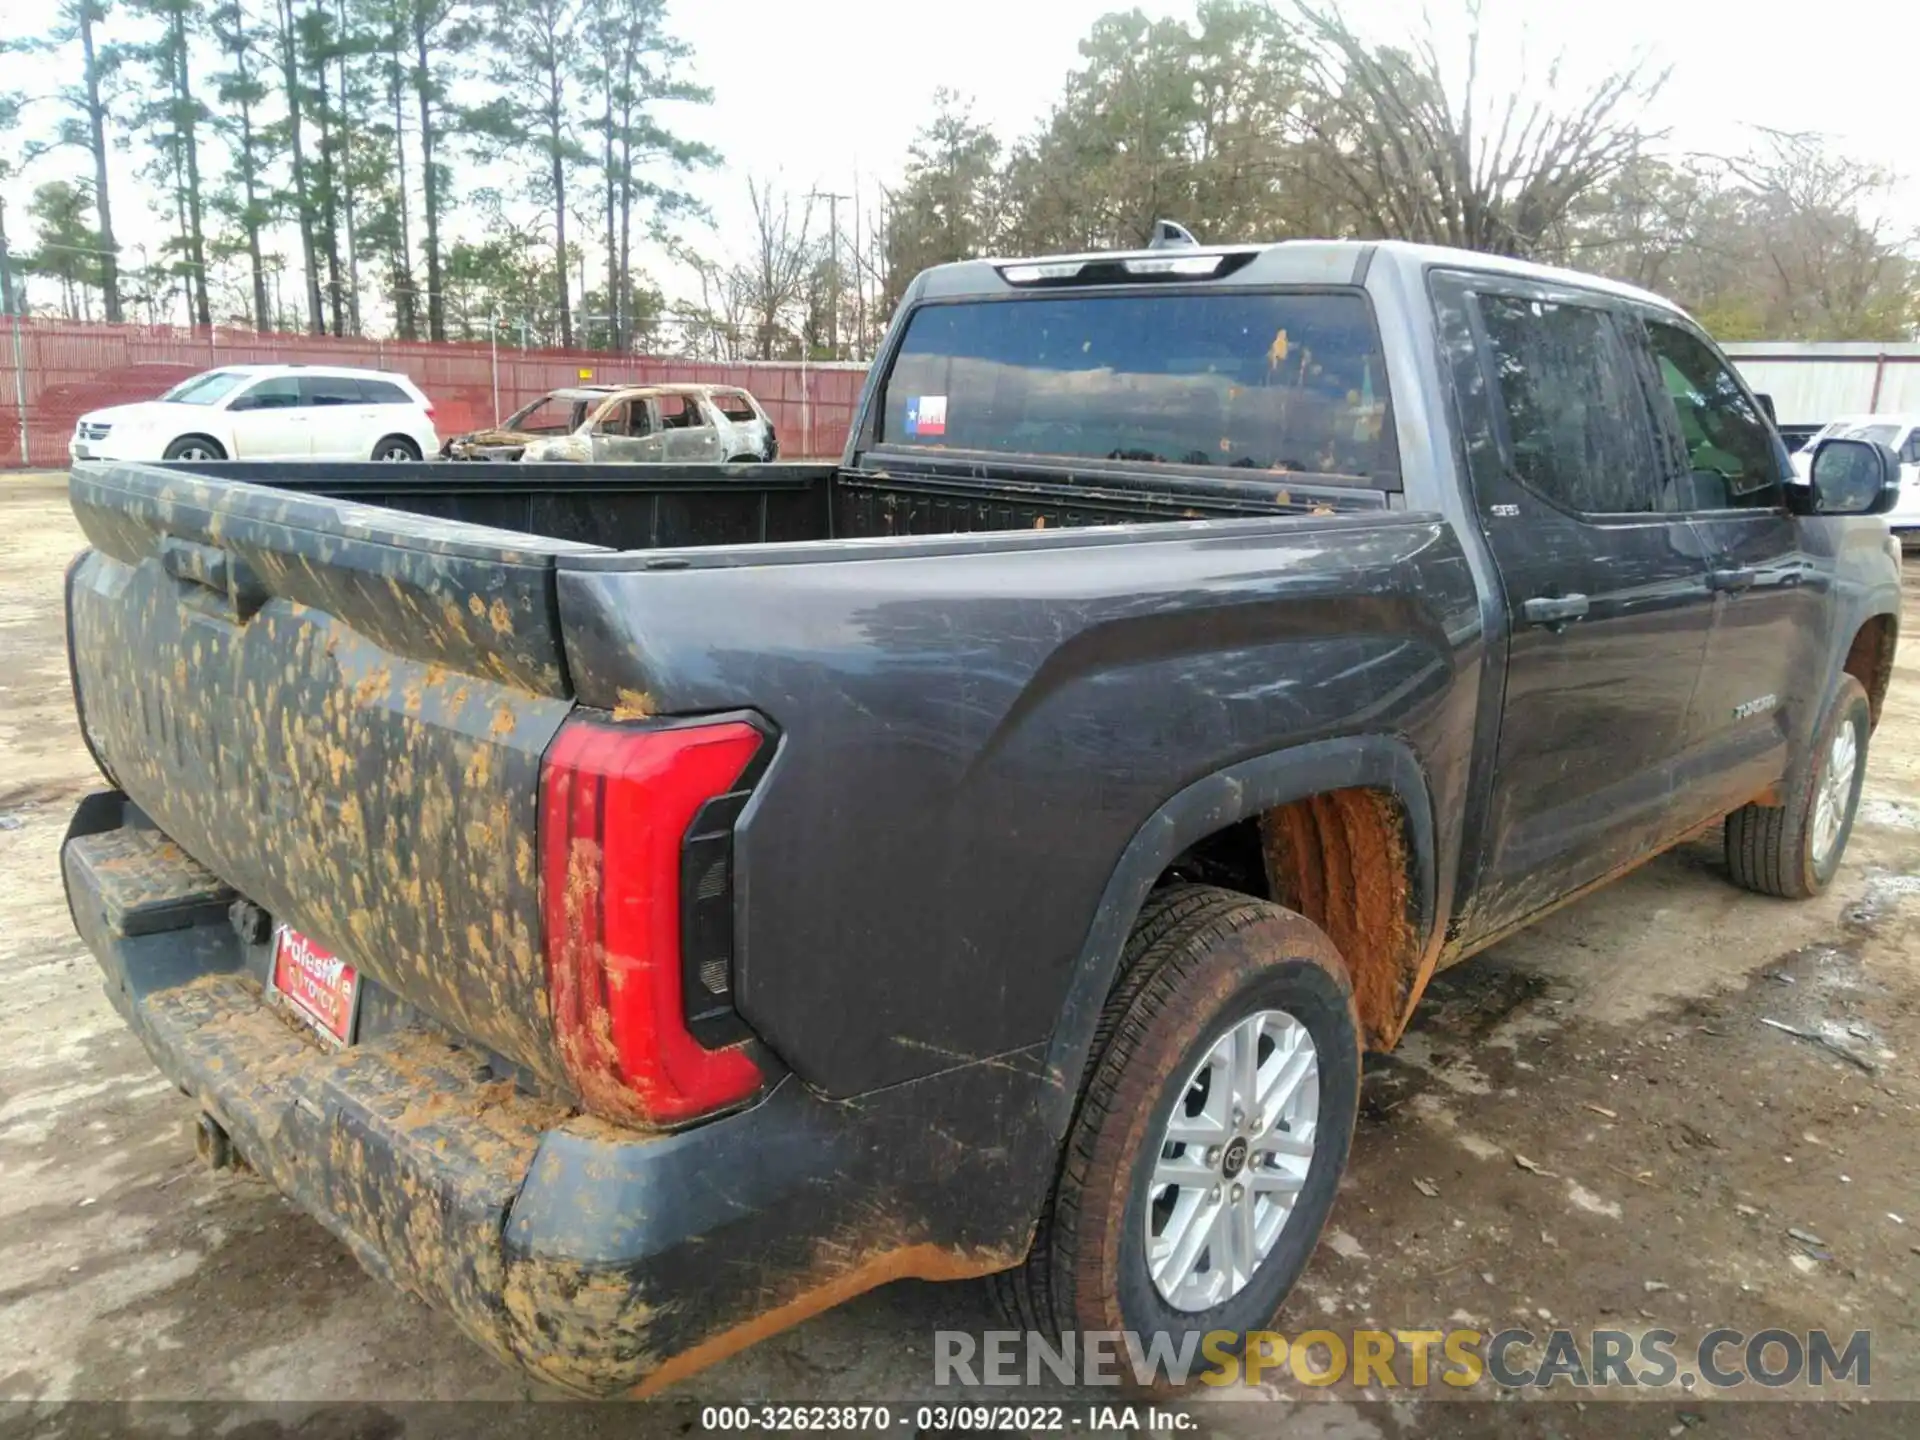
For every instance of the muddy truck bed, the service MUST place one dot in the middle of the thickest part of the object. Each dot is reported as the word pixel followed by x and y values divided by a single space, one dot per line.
pixel 653 507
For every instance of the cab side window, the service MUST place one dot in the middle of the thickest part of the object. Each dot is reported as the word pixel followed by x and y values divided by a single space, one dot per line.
pixel 629 418
pixel 1725 458
pixel 679 412
pixel 1572 408
pixel 329 390
pixel 382 392
pixel 281 392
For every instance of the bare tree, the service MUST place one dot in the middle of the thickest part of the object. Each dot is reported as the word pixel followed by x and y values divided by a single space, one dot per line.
pixel 1823 260
pixel 774 277
pixel 1387 138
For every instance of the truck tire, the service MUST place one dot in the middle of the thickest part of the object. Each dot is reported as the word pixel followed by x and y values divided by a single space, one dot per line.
pixel 1209 978
pixel 1793 850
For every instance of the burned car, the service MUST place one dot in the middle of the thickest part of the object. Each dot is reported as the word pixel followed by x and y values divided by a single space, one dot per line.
pixel 637 424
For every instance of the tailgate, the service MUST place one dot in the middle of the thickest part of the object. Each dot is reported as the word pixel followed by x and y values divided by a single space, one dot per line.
pixel 339 710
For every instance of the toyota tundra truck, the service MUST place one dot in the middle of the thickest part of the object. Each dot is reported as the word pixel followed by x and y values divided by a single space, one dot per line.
pixel 634 910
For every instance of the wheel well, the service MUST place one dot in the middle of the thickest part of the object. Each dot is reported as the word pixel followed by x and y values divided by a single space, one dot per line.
pixel 396 435
pixel 196 435
pixel 1870 660
pixel 1340 858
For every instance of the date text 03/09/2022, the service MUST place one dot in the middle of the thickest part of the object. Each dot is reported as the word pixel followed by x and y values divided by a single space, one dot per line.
pixel 936 1419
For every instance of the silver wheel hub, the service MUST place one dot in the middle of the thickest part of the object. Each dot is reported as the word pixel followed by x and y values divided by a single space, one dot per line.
pixel 1833 791
pixel 1232 1160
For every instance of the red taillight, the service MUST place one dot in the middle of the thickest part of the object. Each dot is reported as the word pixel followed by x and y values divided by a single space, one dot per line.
pixel 615 803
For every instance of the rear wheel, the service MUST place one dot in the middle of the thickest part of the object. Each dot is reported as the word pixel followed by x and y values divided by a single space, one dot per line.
pixel 1204 1158
pixel 1793 850
pixel 396 448
pixel 195 447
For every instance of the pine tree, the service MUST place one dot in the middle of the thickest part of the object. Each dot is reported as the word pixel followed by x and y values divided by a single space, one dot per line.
pixel 241 90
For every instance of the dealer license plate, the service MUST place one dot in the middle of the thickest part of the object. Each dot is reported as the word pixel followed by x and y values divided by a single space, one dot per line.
pixel 322 988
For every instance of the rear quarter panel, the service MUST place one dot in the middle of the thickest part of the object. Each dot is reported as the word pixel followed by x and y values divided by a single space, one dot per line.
pixel 972 733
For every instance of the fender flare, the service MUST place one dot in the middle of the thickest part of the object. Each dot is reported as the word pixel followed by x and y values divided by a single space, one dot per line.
pixel 1872 607
pixel 1207 805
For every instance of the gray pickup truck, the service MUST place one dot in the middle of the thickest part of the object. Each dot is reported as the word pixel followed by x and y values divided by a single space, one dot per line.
pixel 635 909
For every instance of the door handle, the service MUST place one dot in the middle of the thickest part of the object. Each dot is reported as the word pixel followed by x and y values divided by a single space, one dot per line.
pixel 1556 612
pixel 1731 579
pixel 226 575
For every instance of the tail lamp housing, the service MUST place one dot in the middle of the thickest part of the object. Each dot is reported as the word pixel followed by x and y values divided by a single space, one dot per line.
pixel 617 803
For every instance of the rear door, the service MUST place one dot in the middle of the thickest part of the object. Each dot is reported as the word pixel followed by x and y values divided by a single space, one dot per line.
pixel 626 433
pixel 1723 466
pixel 344 424
pixel 1605 595
pixel 270 421
pixel 688 430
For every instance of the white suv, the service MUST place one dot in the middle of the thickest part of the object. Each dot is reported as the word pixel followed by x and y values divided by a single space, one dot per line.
pixel 1899 433
pixel 267 412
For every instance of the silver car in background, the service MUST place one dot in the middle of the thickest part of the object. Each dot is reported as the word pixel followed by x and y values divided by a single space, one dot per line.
pixel 629 424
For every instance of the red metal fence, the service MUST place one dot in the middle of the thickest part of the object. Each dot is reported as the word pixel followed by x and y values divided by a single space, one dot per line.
pixel 58 370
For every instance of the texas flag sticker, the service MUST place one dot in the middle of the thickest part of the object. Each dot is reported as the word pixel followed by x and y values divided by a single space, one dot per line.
pixel 927 415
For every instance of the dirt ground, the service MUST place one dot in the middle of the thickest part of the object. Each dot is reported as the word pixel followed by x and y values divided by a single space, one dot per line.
pixel 1588 1126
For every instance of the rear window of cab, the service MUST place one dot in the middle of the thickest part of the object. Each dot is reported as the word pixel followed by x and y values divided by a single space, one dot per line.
pixel 1271 381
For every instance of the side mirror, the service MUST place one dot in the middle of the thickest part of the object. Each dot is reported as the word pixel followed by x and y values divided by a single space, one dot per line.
pixel 245 402
pixel 1854 477
pixel 1766 404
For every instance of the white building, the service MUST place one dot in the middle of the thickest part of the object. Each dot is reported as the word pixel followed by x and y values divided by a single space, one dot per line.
pixel 1812 383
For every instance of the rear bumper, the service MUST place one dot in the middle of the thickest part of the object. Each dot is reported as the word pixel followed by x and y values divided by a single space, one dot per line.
pixel 601 1259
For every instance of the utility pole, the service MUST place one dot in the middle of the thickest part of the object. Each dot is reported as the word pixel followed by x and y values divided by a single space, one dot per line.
pixel 859 275
pixel 6 265
pixel 833 265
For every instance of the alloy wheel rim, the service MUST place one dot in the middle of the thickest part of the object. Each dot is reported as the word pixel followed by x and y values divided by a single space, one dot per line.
pixel 1232 1159
pixel 1834 792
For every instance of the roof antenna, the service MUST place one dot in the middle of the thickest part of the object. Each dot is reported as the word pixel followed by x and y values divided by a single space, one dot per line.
pixel 1170 235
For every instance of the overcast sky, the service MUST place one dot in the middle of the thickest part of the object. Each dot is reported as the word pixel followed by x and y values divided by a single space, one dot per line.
pixel 827 95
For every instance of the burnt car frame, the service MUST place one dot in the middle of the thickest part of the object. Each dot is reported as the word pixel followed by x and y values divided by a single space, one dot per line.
pixel 629 424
